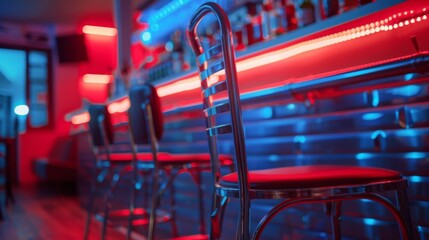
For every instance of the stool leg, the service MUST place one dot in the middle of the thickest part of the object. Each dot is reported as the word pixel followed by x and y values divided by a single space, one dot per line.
pixel 244 219
pixel 146 207
pixel 154 203
pixel 107 203
pixel 96 180
pixel 336 219
pixel 404 209
pixel 1 212
pixel 133 191
pixel 105 217
pixel 173 210
pixel 215 218
pixel 89 213
pixel 131 211
pixel 200 202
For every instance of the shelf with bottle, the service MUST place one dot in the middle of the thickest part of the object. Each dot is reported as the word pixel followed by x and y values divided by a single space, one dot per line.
pixel 260 25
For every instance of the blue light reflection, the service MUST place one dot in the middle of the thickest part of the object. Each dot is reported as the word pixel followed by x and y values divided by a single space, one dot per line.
pixel 406 91
pixel 267 112
pixel 370 221
pixel 146 36
pixel 408 76
pixel 415 155
pixel 378 133
pixel 375 98
pixel 164 16
pixel 291 106
pixel 299 139
pixel 415 179
pixel 273 158
pixel 371 116
pixel 363 156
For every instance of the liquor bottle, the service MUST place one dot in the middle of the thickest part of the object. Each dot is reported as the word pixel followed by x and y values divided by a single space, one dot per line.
pixel 287 20
pixel 307 13
pixel 363 2
pixel 281 17
pixel 330 8
pixel 177 51
pixel 240 35
pixel 254 25
pixel 239 18
pixel 269 19
pixel 291 19
pixel 349 4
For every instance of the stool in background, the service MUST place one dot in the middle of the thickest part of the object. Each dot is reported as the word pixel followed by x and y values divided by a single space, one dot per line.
pixel 146 129
pixel 108 168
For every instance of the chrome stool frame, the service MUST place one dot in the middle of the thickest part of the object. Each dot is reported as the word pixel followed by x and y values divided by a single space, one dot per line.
pixel 146 128
pixel 108 168
pixel 223 98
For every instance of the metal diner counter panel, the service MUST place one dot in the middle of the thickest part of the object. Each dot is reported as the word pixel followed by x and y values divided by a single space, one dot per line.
pixel 329 105
pixel 382 122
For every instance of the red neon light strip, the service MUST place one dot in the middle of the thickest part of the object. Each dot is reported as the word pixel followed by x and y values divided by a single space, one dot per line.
pixel 95 30
pixel 80 118
pixel 97 78
pixel 396 21
pixel 117 107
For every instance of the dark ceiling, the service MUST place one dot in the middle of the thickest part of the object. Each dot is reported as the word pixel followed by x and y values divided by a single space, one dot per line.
pixel 58 11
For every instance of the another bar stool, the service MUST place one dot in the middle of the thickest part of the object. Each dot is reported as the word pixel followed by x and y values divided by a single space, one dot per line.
pixel 146 128
pixel 108 168
pixel 330 184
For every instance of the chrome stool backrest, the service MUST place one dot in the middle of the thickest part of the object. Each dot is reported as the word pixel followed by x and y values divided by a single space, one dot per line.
pixel 217 104
pixel 145 117
pixel 221 97
pixel 100 128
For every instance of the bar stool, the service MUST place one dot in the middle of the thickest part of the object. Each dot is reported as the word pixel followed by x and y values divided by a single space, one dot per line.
pixel 329 184
pixel 109 167
pixel 146 129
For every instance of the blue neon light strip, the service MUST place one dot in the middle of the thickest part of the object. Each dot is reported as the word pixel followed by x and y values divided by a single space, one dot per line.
pixel 165 16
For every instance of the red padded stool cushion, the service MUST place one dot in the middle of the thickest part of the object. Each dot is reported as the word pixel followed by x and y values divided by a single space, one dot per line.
pixel 168 158
pixel 312 177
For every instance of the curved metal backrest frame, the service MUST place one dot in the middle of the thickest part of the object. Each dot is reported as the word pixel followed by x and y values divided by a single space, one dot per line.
pixel 146 124
pixel 291 196
pixel 100 128
pixel 141 96
pixel 236 126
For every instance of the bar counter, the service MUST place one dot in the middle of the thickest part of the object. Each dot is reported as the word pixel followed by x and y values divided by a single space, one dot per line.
pixel 347 94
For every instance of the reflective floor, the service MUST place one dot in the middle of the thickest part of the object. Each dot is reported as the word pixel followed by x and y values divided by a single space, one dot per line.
pixel 49 213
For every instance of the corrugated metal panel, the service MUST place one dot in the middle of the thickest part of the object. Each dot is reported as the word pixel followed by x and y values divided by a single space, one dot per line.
pixel 374 125
pixel 384 127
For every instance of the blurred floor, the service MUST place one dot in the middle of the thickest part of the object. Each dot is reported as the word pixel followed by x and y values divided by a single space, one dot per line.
pixel 46 213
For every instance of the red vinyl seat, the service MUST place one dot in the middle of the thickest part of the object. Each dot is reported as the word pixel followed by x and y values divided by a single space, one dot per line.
pixel 165 158
pixel 328 184
pixel 313 176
